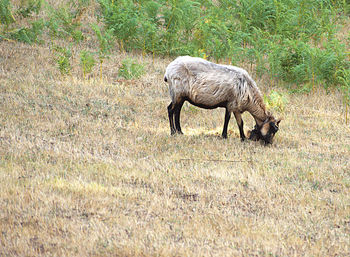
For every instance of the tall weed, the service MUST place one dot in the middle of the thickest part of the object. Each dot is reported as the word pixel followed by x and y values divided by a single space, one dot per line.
pixel 87 62
pixel 131 69
pixel 105 39
pixel 6 13
pixel 62 23
pixel 29 35
pixel 62 57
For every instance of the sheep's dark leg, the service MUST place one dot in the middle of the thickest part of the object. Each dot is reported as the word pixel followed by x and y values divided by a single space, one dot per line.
pixel 240 125
pixel 227 119
pixel 177 117
pixel 171 109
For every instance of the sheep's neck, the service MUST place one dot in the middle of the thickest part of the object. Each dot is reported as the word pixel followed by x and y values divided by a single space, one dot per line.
pixel 258 111
pixel 259 119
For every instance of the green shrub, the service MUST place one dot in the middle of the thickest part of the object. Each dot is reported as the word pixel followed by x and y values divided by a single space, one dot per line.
pixel 6 16
pixel 28 35
pixel 63 23
pixel 131 69
pixel 62 57
pixel 105 39
pixel 122 17
pixel 292 41
pixel 31 6
pixel 276 101
pixel 87 62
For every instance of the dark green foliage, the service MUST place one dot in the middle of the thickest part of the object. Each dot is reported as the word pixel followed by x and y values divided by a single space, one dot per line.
pixel 122 18
pixel 293 41
pixel 152 26
pixel 63 23
pixel 6 16
pixel 29 35
pixel 105 39
pixel 32 6
pixel 290 40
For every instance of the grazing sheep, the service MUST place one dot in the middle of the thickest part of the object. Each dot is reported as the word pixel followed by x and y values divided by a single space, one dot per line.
pixel 209 85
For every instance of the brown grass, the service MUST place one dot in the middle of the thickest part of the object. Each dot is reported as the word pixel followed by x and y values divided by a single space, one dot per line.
pixel 88 168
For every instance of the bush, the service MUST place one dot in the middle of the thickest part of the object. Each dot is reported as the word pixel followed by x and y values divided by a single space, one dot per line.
pixel 87 62
pixel 275 100
pixel 281 37
pixel 131 69
pixel 292 41
pixel 64 22
pixel 31 6
pixel 6 16
pixel 28 35
pixel 62 57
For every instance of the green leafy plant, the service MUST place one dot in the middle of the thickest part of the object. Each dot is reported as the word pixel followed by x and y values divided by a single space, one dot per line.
pixel 62 57
pixel 29 35
pixel 6 15
pixel 281 38
pixel 105 40
pixel 131 69
pixel 122 17
pixel 343 76
pixel 276 100
pixel 87 62
pixel 29 7
pixel 64 22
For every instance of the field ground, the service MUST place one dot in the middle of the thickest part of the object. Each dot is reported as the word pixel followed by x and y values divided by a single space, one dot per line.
pixel 88 168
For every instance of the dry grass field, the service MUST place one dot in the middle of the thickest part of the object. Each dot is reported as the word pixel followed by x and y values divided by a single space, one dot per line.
pixel 88 168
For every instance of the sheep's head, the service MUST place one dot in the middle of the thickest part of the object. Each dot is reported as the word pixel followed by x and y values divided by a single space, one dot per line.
pixel 266 131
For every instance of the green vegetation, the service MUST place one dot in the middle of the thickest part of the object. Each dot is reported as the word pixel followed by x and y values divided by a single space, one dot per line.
pixel 290 40
pixel 105 40
pixel 6 16
pixel 276 101
pixel 28 34
pixel 87 62
pixel 131 69
pixel 294 42
pixel 62 57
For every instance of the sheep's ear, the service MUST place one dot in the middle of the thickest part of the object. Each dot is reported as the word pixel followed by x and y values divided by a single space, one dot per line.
pixel 278 121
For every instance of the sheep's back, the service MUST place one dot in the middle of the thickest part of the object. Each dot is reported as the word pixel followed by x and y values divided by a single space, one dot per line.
pixel 207 83
pixel 214 87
